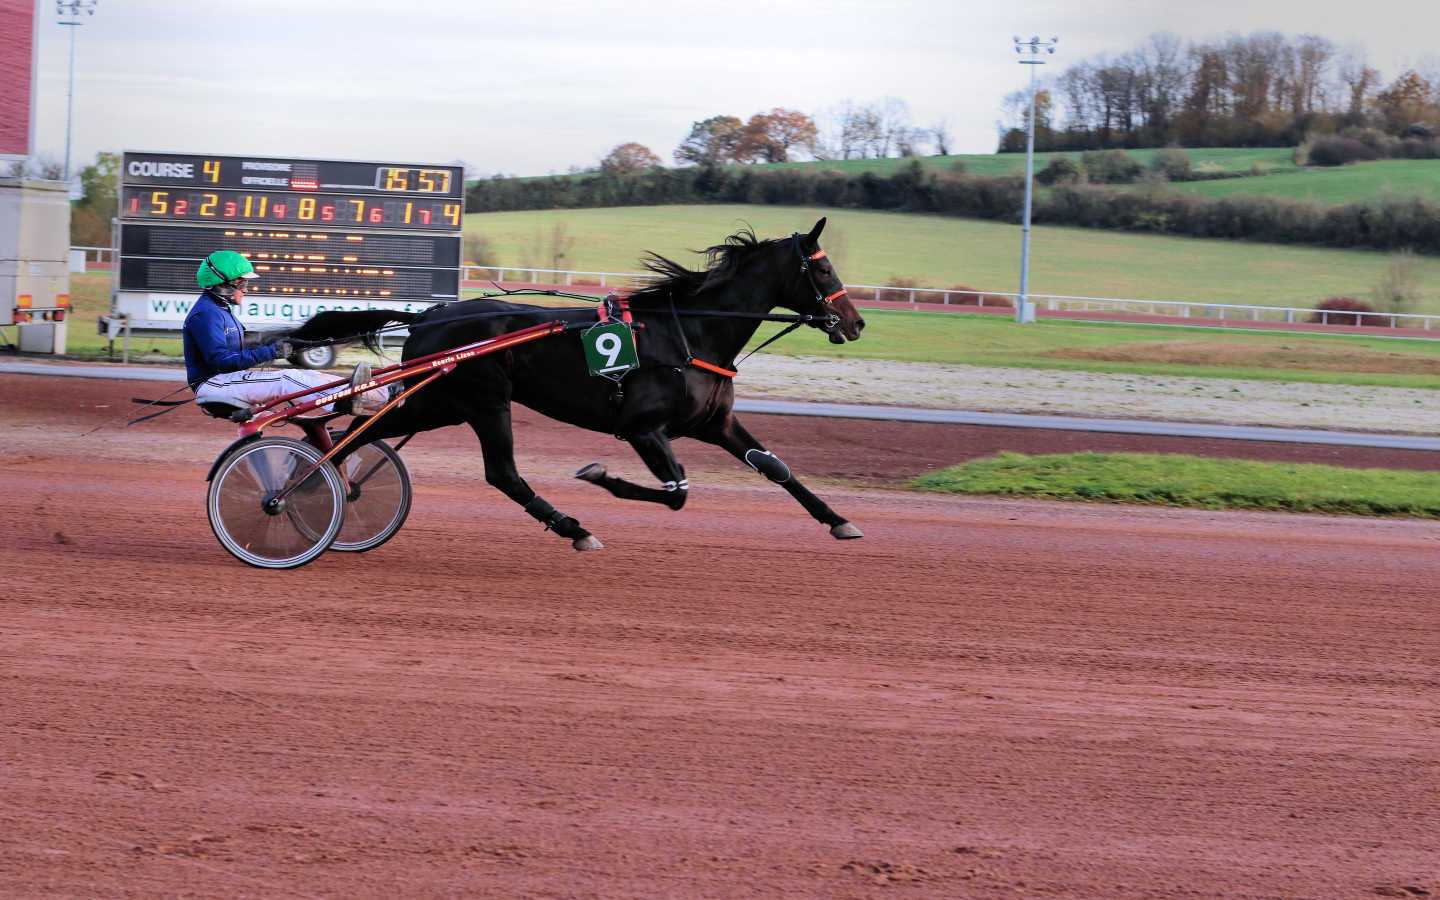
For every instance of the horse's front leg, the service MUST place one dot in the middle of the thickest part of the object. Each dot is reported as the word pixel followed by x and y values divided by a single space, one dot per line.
pixel 497 444
pixel 654 449
pixel 742 445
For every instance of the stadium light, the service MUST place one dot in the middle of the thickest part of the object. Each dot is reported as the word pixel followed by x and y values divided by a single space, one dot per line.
pixel 72 8
pixel 1024 309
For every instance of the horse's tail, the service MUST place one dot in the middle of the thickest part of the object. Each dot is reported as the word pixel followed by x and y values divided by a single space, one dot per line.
pixel 342 326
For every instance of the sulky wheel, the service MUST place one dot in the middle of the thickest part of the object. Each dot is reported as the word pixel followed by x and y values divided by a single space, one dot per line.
pixel 259 526
pixel 378 499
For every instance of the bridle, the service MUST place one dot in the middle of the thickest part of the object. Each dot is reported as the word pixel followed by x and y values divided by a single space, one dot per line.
pixel 828 323
pixel 825 301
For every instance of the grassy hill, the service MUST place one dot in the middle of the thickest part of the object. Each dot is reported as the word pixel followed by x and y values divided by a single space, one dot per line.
pixel 1282 178
pixel 879 247
pixel 1341 184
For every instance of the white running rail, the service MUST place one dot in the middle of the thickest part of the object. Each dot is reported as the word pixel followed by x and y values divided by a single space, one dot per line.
pixel 1184 309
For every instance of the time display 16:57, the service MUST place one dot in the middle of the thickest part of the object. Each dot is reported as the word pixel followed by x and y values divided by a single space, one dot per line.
pixel 309 209
pixel 421 181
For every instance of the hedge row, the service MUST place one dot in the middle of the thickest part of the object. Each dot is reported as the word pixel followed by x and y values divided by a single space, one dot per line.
pixel 1385 223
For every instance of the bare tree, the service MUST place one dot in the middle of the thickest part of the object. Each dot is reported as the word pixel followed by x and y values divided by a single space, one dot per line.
pixel 1115 88
pixel 894 123
pixel 558 246
pixel 861 130
pixel 1014 111
pixel 1161 79
pixel 1360 83
pixel 1077 88
pixel 912 141
pixel 1313 57
pixel 839 136
pixel 940 136
pixel 1398 290
pixel 1253 66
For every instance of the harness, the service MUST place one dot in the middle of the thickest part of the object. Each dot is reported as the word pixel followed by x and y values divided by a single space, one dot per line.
pixel 615 309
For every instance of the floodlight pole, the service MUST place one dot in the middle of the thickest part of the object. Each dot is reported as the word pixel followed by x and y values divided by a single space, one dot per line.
pixel 74 8
pixel 1024 309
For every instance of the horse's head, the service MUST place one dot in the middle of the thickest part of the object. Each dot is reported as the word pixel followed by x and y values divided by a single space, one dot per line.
pixel 821 285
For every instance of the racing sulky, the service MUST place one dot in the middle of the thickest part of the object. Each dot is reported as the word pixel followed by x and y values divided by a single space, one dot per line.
pixel 690 326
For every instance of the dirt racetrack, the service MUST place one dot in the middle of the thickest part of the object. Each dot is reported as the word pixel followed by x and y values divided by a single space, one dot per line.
pixel 981 698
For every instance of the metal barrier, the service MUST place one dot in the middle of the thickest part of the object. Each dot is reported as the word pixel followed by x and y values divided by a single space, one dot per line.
pixel 97 257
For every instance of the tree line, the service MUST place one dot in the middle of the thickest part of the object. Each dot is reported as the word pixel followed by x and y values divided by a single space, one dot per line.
pixel 1259 90
pixel 851 130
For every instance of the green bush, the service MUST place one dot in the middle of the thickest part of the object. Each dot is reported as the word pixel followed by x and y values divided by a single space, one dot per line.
pixel 1173 163
pixel 1334 150
pixel 1060 170
pixel 1110 167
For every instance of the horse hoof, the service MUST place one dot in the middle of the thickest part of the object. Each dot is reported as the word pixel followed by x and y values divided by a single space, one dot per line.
pixel 591 473
pixel 588 542
pixel 846 532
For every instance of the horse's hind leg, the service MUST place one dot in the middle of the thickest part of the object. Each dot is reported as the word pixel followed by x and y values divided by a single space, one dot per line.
pixel 497 445
pixel 654 449
pixel 742 445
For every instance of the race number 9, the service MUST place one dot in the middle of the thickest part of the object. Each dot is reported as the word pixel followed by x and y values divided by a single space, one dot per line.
pixel 609 349
pixel 609 345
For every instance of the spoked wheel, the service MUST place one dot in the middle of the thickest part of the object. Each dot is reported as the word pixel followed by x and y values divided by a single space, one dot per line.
pixel 378 499
pixel 251 520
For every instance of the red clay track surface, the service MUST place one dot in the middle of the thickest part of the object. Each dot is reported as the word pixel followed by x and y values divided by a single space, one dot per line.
pixel 980 698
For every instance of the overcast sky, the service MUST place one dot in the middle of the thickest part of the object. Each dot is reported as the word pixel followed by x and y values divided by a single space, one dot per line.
pixel 539 86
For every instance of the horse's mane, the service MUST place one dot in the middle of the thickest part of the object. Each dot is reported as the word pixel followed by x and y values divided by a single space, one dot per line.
pixel 673 280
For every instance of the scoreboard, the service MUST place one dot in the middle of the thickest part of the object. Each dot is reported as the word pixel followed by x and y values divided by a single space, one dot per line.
pixel 321 234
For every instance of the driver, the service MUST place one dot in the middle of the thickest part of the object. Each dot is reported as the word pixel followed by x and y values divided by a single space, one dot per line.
pixel 220 369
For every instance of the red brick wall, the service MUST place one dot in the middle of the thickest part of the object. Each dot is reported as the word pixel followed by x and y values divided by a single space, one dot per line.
pixel 17 32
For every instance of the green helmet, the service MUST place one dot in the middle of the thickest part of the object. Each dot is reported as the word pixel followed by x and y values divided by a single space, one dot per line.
pixel 223 267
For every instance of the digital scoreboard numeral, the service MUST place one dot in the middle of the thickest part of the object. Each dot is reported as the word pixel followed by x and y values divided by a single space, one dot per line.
pixel 262 208
pixel 320 232
pixel 273 175
pixel 413 181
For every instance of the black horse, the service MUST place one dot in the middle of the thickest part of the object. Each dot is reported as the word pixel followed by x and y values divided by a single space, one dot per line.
pixel 681 388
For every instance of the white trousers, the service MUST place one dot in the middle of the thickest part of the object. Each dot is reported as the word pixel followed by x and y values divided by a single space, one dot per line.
pixel 256 386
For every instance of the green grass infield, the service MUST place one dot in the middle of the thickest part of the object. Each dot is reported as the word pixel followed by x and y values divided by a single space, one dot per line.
pixel 940 251
pixel 1176 480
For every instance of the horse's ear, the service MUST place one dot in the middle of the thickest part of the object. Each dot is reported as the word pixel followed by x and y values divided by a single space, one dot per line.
pixel 815 232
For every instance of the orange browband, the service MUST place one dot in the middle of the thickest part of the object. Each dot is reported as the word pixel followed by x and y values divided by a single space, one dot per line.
pixel 818 254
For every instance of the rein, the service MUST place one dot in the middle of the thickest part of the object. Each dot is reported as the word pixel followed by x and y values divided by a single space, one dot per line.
pixel 698 313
